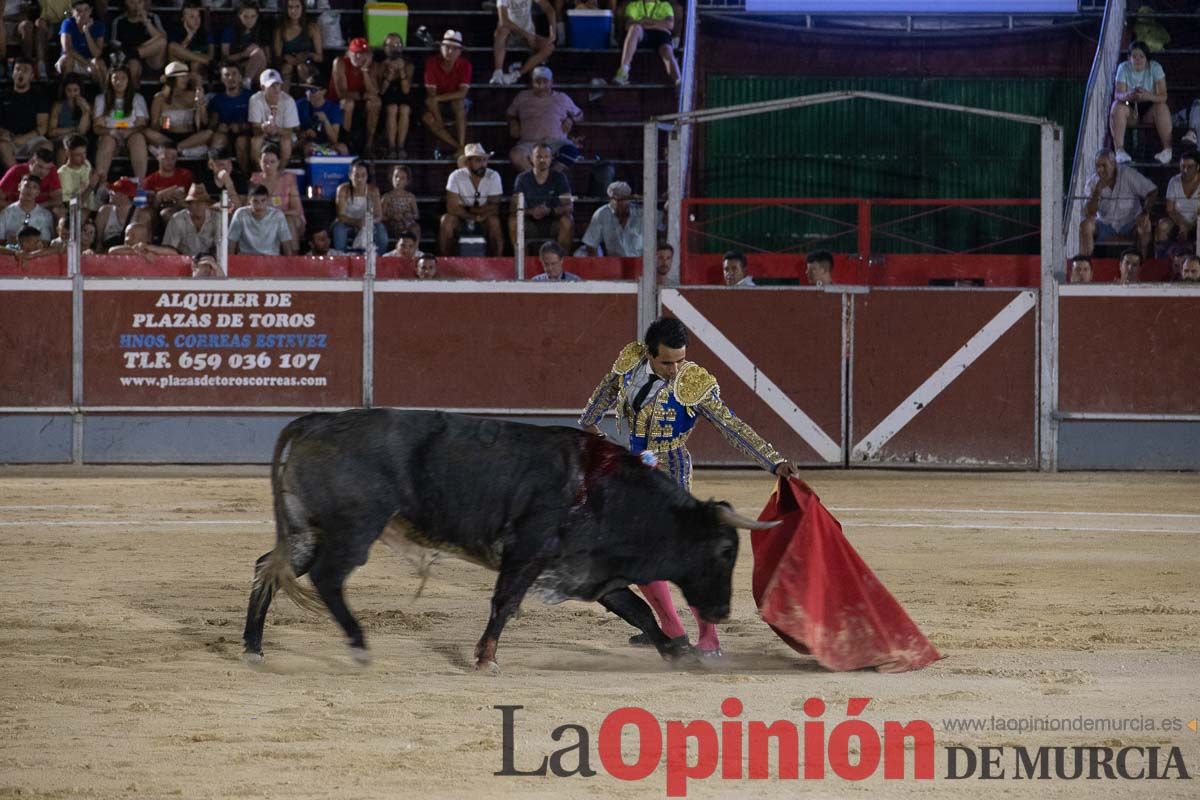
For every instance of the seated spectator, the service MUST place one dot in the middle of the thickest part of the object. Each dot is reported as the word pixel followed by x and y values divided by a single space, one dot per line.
pixel 540 115
pixel 229 115
pixel 41 163
pixel 28 246
pixel 400 212
pixel 206 267
pixel 116 215
pixel 320 123
pixel 120 117
pixel 71 114
pixel 75 177
pixel 273 117
pixel 87 236
pixel 1081 269
pixel 394 79
pixel 447 79
pixel 549 211
pixel 82 36
pixel 1130 266
pixel 352 85
pixel 426 268
pixel 25 212
pixel 616 228
pixel 178 113
pixel 406 246
pixel 137 243
pixel 733 267
pixel 284 191
pixel 1140 95
pixel 139 37
pixel 244 41
pixel 473 196
pixel 1118 205
pixel 319 244
pixel 222 177
pixel 189 42
pixel 551 255
pixel 353 200
pixel 194 230
pixel 663 258
pixel 38 26
pixel 24 116
pixel 1178 253
pixel 651 24
pixel 298 44
pixel 169 184
pixel 260 229
pixel 515 18
pixel 1191 269
pixel 820 268
pixel 1183 201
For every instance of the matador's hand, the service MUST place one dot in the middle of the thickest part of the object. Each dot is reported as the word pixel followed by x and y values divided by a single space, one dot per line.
pixel 784 469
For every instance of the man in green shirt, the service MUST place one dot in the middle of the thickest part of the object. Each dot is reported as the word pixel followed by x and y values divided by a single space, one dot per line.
pixel 651 24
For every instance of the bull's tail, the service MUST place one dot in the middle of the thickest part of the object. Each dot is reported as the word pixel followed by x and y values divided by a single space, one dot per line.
pixel 276 574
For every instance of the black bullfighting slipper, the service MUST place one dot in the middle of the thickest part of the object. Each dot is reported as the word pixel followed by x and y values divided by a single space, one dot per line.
pixel 640 640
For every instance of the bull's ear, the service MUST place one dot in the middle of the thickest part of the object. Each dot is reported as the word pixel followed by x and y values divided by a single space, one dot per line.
pixel 727 516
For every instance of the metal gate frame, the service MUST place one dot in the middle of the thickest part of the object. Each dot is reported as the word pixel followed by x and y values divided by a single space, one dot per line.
pixel 678 128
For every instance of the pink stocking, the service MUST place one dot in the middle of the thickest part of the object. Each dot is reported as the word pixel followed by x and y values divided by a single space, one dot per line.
pixel 658 595
pixel 708 633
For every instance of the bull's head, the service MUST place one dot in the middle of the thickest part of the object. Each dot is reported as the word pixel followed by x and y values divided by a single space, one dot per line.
pixel 707 579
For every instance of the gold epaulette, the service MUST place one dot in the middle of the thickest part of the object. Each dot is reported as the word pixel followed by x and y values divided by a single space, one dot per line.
pixel 693 383
pixel 630 357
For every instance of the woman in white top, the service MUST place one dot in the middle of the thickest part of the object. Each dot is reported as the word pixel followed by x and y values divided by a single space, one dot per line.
pixel 177 112
pixel 353 200
pixel 120 118
pixel 1140 94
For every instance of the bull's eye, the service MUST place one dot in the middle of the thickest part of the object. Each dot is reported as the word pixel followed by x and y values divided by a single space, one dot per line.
pixel 726 552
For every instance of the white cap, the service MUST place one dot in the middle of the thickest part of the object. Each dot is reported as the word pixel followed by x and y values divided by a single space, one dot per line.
pixel 269 77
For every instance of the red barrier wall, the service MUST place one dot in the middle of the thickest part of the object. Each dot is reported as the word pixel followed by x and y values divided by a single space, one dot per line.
pixel 222 355
pixel 794 338
pixel 35 348
pixel 1130 354
pixel 985 416
pixel 497 350
pixel 48 266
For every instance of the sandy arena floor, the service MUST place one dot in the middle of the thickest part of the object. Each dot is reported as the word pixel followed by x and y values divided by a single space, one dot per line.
pixel 123 598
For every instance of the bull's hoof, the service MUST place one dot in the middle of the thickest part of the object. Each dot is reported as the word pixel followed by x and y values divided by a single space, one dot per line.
pixel 487 667
pixel 252 658
pixel 360 655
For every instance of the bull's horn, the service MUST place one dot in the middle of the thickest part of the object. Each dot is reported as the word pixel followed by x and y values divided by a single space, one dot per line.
pixel 727 516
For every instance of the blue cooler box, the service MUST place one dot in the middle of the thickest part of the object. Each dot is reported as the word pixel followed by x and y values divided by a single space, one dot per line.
pixel 588 29
pixel 326 173
pixel 301 179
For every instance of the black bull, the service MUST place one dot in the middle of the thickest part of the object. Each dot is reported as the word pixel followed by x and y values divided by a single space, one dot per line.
pixel 557 510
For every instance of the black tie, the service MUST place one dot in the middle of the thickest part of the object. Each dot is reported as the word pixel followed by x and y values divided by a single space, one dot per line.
pixel 640 400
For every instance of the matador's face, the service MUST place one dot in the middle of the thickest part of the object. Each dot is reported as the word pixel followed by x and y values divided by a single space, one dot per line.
pixel 668 361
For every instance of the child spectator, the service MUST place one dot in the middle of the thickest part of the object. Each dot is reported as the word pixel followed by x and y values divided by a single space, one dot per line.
pixel 75 176
pixel 400 213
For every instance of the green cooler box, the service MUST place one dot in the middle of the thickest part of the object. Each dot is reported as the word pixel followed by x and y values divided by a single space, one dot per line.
pixel 385 18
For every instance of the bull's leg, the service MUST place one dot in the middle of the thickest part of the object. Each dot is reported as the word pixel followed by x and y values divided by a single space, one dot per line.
pixel 516 576
pixel 634 610
pixel 256 614
pixel 328 576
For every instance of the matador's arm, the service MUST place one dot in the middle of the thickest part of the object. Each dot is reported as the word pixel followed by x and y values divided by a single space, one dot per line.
pixel 697 390
pixel 606 394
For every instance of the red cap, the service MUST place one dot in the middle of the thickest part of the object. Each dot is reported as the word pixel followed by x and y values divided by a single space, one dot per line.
pixel 359 45
pixel 124 186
